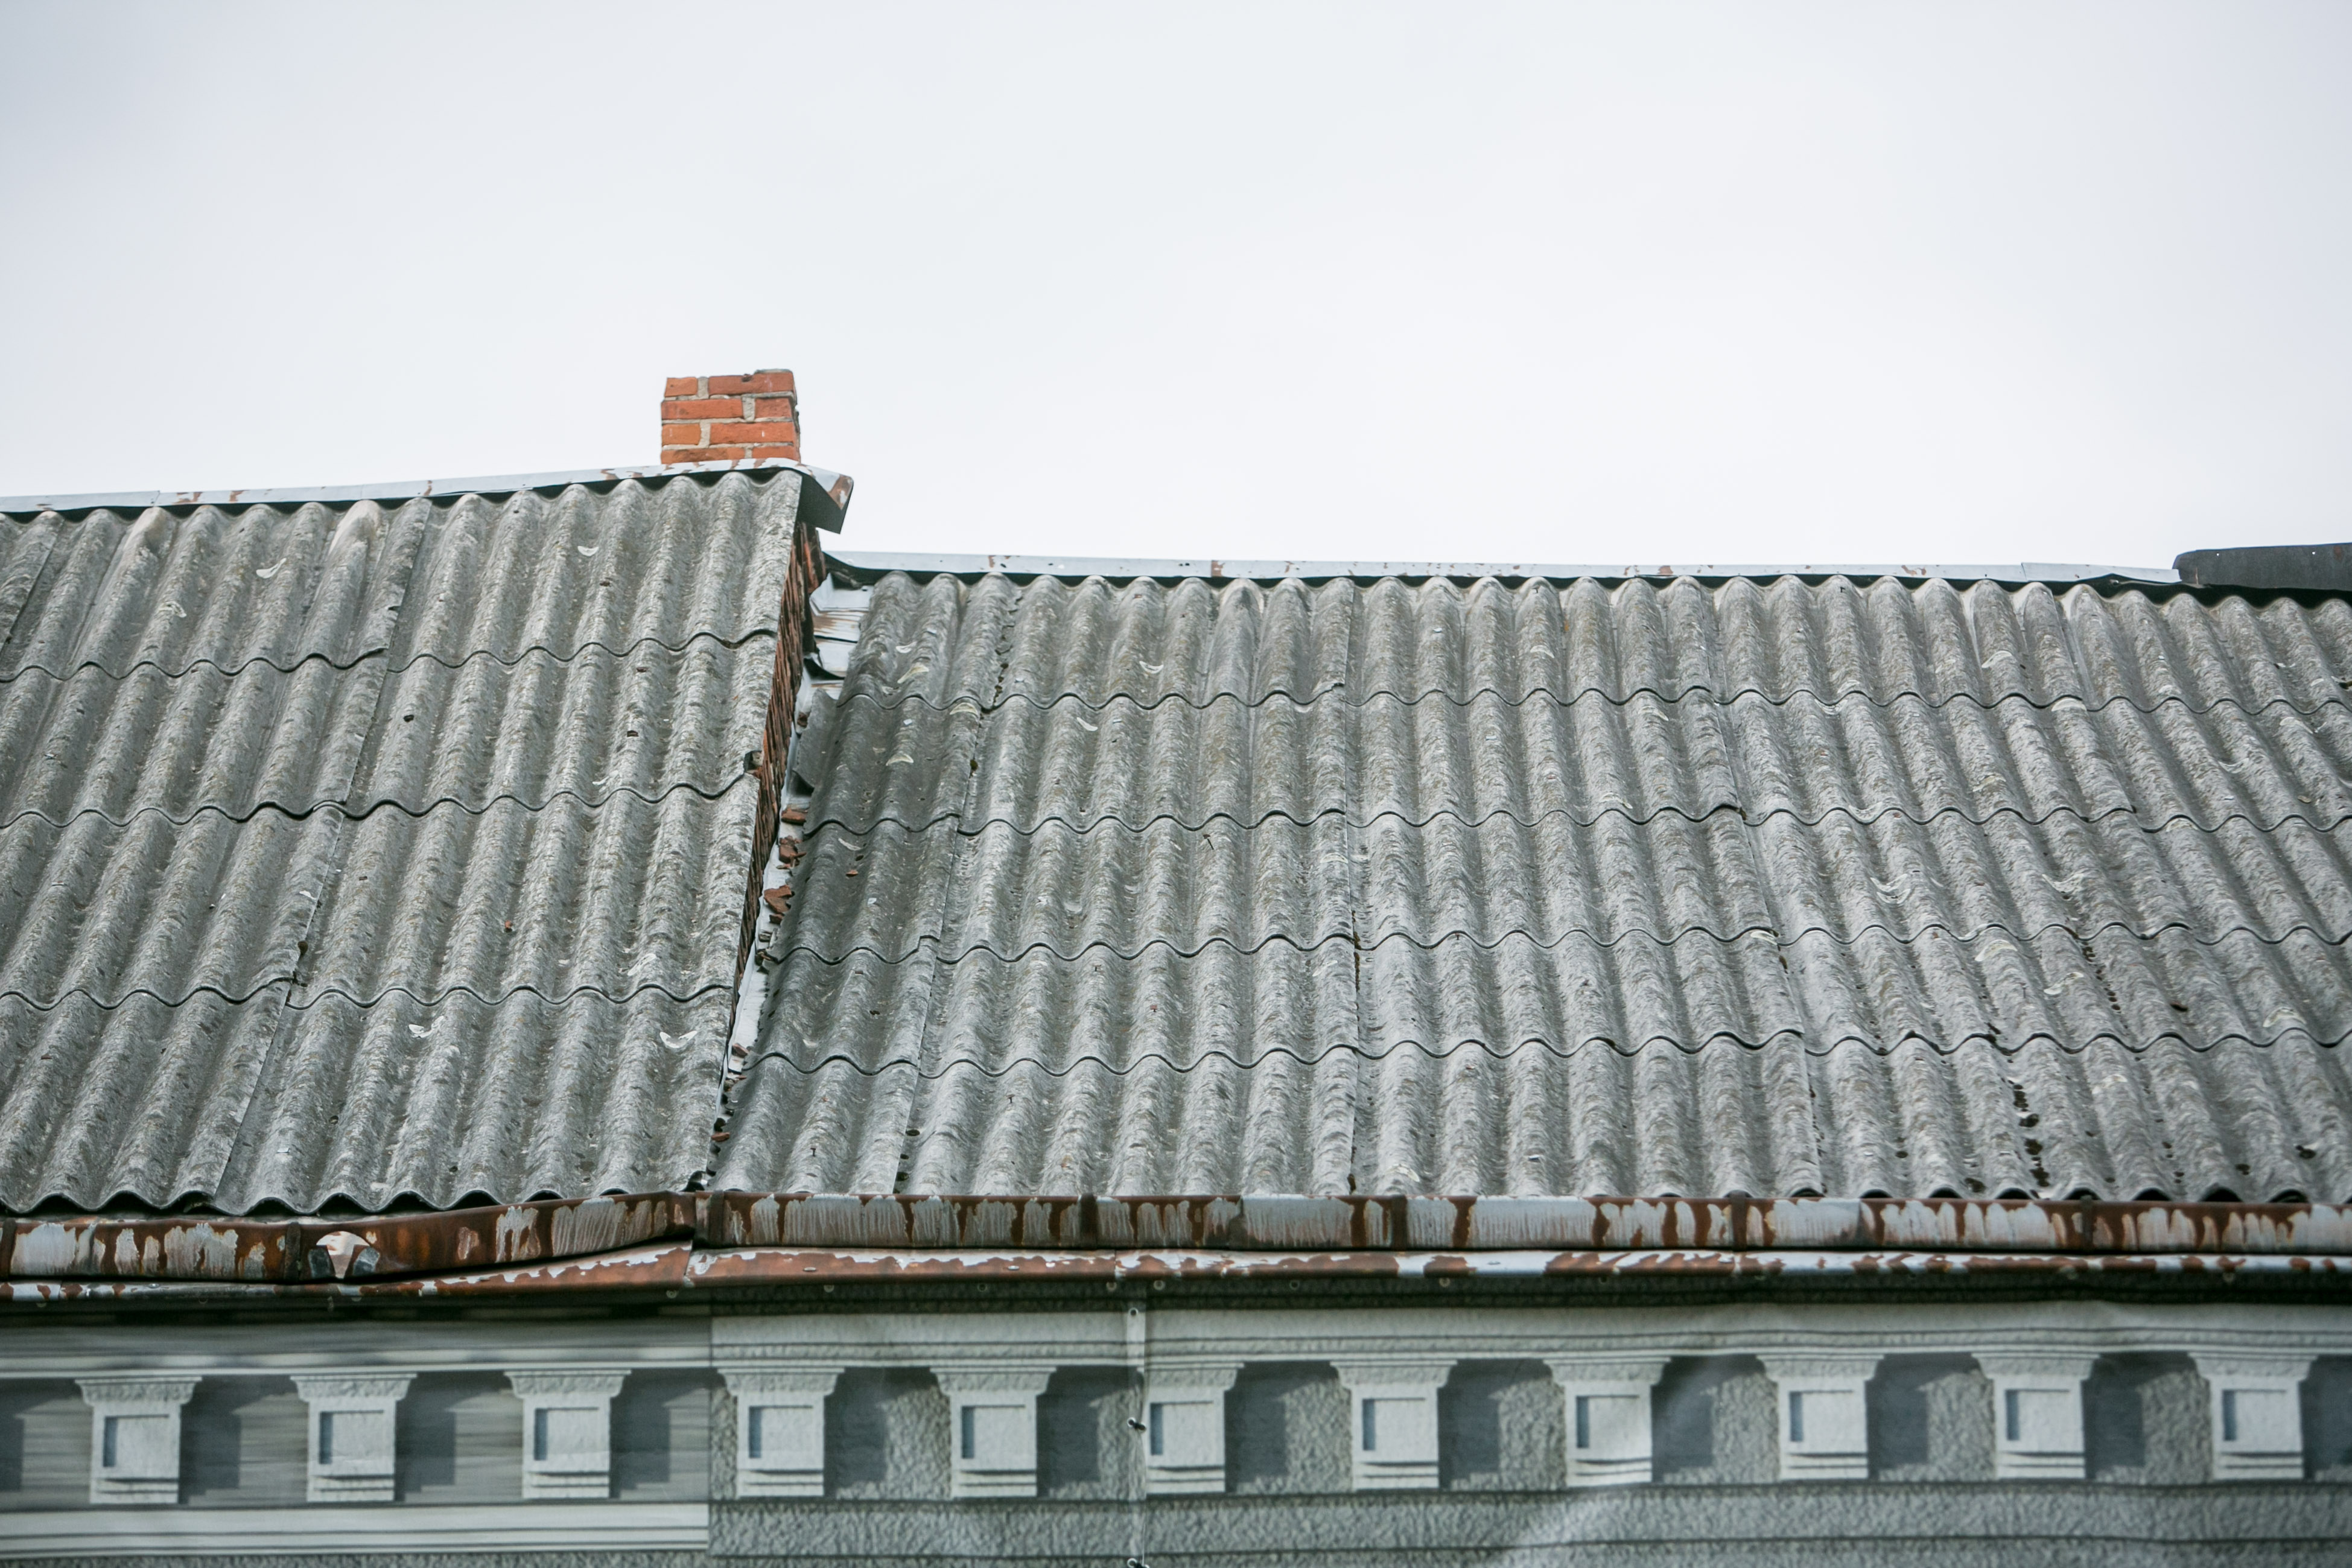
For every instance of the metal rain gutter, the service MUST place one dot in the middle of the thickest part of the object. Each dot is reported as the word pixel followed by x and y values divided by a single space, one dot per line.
pixel 709 1270
pixel 675 1240
pixel 297 1251
pixel 677 1268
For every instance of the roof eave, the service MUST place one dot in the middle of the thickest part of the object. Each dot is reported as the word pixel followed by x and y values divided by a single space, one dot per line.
pixel 667 1241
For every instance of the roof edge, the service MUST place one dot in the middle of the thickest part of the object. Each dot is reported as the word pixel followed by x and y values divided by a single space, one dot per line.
pixel 878 562
pixel 669 1269
pixel 317 1250
pixel 836 488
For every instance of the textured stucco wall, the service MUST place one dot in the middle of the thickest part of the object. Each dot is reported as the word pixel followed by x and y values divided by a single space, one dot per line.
pixel 1715 1496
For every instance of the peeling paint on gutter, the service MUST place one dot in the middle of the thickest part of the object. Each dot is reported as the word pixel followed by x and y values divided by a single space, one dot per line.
pixel 753 1267
pixel 644 1268
pixel 677 1268
pixel 670 1241
pixel 301 1250
pixel 1495 1224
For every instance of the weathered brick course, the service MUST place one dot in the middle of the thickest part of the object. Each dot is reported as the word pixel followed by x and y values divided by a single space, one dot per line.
pixel 752 417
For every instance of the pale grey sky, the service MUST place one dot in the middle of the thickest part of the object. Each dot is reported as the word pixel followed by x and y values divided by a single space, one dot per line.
pixel 1666 283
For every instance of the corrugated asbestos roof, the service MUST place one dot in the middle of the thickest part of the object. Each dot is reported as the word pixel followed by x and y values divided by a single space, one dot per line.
pixel 1774 887
pixel 379 852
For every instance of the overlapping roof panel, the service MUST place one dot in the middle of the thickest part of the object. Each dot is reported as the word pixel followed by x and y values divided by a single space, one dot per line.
pixel 378 852
pixel 1773 886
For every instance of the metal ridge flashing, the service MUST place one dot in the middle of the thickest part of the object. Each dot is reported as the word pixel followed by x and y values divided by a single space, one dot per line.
pixel 837 487
pixel 876 563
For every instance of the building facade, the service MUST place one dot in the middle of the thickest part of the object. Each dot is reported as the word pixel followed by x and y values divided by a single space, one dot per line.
pixel 555 1018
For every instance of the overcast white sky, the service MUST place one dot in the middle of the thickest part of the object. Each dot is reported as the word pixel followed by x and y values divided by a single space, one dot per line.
pixel 1662 283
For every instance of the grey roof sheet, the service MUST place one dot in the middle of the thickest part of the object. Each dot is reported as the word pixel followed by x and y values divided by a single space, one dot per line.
pixel 368 852
pixel 1568 888
pixel 942 639
pixel 444 579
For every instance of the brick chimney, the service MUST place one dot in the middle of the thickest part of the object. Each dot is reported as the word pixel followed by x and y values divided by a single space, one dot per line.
pixel 730 419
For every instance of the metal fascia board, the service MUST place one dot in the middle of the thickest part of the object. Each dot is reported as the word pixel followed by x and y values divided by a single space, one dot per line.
pixel 877 562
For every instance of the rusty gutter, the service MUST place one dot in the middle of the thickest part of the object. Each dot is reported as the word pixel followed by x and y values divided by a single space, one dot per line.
pixel 679 1269
pixel 792 1266
pixel 661 1267
pixel 1409 1224
pixel 671 1239
pixel 294 1252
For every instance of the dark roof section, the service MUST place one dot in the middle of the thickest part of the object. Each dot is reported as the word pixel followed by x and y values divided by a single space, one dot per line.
pixel 375 853
pixel 2315 568
pixel 1776 887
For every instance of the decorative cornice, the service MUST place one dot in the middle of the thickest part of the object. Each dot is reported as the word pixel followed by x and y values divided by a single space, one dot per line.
pixel 314 1387
pixel 1166 1376
pixel 2025 1364
pixel 1025 1377
pixel 1420 1371
pixel 754 1382
pixel 127 1392
pixel 1575 1369
pixel 545 1384
pixel 2237 1364
pixel 1840 1365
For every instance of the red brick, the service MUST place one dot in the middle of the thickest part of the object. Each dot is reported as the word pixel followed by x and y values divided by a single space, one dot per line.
pixel 703 408
pixel 683 386
pixel 790 453
pixel 757 381
pixel 681 435
pixel 748 430
pixel 704 453
pixel 785 407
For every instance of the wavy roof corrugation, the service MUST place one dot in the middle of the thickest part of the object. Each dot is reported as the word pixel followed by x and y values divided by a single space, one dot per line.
pixel 944 638
pixel 1776 887
pixel 372 852
pixel 445 578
